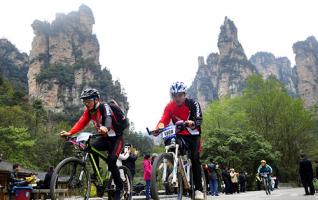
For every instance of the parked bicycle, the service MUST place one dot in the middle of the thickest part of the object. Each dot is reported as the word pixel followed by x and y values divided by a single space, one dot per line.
pixel 73 174
pixel 172 170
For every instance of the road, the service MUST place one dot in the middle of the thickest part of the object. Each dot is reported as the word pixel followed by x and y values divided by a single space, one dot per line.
pixel 280 194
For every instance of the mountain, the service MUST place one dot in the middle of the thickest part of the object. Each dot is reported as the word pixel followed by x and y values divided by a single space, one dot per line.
pixel 224 73
pixel 13 65
pixel 307 70
pixel 268 65
pixel 64 59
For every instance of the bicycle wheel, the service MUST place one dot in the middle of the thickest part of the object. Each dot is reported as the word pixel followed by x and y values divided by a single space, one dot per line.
pixel 70 179
pixel 269 187
pixel 265 185
pixel 161 178
pixel 127 180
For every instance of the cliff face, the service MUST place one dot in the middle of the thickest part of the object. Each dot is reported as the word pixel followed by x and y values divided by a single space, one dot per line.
pixel 64 59
pixel 223 74
pixel 307 70
pixel 268 65
pixel 13 64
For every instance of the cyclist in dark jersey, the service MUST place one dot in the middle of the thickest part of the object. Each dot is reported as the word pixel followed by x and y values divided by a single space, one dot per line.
pixel 109 141
pixel 180 108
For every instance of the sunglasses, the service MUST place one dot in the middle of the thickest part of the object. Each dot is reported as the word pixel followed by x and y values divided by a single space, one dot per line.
pixel 87 101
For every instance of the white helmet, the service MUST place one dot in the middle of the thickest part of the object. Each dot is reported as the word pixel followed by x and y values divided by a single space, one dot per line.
pixel 178 87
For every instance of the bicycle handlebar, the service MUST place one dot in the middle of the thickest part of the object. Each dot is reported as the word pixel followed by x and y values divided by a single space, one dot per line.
pixel 181 125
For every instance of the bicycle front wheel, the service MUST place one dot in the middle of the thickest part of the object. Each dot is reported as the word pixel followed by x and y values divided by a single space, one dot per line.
pixel 162 178
pixel 70 179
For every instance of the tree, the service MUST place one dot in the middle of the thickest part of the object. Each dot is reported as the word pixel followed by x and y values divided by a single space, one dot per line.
pixel 282 120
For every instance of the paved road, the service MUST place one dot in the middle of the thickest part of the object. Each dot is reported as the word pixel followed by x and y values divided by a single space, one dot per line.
pixel 280 194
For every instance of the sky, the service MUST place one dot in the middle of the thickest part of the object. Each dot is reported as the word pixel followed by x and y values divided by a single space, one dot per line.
pixel 149 44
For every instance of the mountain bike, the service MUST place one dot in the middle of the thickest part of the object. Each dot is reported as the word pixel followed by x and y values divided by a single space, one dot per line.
pixel 265 179
pixel 172 171
pixel 72 174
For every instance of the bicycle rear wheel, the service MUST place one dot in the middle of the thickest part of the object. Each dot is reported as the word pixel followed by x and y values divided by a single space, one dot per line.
pixel 162 176
pixel 70 179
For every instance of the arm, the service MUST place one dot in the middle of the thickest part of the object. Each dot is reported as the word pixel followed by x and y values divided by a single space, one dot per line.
pixel 108 118
pixel 195 113
pixel 259 169
pixel 166 117
pixel 270 169
pixel 81 123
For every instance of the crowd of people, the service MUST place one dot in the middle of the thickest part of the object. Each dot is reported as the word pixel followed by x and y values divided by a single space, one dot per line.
pixel 224 179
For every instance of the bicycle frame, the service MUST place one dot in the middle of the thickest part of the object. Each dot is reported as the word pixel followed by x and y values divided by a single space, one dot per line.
pixel 185 169
pixel 87 152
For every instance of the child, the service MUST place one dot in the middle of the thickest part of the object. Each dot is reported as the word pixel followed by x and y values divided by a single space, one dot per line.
pixel 147 174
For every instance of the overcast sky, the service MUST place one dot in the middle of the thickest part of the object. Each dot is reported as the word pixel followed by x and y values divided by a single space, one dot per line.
pixel 148 44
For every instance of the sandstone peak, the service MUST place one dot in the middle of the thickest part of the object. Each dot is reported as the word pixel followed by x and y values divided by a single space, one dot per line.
pixel 228 42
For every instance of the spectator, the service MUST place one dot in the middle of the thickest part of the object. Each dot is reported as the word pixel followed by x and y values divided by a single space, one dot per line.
pixel 227 181
pixel 306 174
pixel 153 157
pixel 47 179
pixel 130 162
pixel 213 178
pixel 147 174
pixel 242 181
pixel 234 180
pixel 15 179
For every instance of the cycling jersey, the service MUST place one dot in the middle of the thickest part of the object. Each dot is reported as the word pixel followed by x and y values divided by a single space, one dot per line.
pixel 96 119
pixel 265 169
pixel 189 110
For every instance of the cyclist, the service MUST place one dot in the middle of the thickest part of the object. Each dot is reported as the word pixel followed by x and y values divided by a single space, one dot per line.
pixel 181 108
pixel 109 141
pixel 265 168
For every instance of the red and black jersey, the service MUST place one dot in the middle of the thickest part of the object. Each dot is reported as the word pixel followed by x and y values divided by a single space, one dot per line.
pixel 189 110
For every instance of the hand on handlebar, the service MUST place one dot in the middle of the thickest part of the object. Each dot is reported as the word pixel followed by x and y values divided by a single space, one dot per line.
pixel 65 134
pixel 156 131
pixel 103 130
pixel 190 123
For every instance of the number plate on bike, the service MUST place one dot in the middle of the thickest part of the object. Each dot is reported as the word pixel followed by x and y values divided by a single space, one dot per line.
pixel 168 132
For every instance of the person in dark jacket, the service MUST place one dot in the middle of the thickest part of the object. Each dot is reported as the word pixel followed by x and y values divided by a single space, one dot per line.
pixel 242 181
pixel 130 162
pixel 306 174
pixel 213 179
pixel 47 179
pixel 227 180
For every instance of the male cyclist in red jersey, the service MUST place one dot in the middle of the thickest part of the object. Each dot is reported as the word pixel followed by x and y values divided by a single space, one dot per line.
pixel 180 108
pixel 110 140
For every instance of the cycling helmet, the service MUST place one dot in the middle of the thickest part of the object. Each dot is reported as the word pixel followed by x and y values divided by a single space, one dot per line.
pixel 178 87
pixel 90 93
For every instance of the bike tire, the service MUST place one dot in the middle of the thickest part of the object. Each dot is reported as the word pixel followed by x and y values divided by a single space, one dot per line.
pixel 269 187
pixel 55 176
pixel 127 185
pixel 265 186
pixel 154 188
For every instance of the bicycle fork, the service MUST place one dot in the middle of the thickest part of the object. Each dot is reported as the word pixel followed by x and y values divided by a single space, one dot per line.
pixel 175 167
